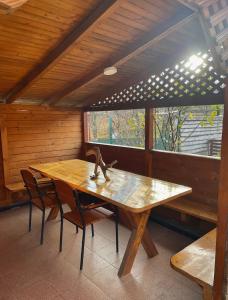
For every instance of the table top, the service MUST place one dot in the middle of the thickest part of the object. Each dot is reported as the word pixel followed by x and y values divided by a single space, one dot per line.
pixel 130 191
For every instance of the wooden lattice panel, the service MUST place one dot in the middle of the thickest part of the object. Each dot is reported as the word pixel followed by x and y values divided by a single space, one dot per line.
pixel 190 78
pixel 215 15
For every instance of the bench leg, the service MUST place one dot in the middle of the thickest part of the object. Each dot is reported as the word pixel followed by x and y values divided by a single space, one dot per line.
pixel 8 195
pixel 207 293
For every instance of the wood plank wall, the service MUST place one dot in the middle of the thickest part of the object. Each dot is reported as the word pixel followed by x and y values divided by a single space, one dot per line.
pixel 38 134
pixel 201 173
pixel 129 159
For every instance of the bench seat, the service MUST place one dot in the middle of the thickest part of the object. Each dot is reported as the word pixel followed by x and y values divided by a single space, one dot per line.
pixel 196 262
pixel 15 187
pixel 19 187
pixel 195 209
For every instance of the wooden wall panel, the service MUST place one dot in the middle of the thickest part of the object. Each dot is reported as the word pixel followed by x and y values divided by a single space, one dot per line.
pixel 200 173
pixel 38 134
pixel 129 159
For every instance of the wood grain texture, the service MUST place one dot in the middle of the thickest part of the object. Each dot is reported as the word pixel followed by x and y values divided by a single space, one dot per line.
pixel 5 152
pixel 197 260
pixel 135 194
pixel 7 6
pixel 133 244
pixel 221 276
pixel 36 35
pixel 148 40
pixel 126 190
pixel 76 33
pixel 131 221
pixel 195 209
pixel 200 173
pixel 38 134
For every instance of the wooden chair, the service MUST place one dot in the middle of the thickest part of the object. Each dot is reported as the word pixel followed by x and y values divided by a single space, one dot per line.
pixel 80 215
pixel 40 196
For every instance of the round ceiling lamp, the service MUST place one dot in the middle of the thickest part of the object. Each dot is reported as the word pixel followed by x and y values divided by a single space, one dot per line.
pixel 110 71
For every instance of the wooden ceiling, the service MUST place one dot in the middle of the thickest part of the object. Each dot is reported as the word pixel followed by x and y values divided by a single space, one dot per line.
pixel 54 52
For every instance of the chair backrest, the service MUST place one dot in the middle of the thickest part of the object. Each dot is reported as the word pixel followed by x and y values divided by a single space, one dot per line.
pixel 31 184
pixel 66 195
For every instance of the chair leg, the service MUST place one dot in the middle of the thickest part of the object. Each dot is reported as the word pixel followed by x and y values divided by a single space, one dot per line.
pixel 83 246
pixel 61 235
pixel 76 228
pixel 30 216
pixel 42 228
pixel 117 229
pixel 92 230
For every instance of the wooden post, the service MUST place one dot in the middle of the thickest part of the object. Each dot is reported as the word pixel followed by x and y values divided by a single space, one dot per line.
pixel 148 140
pixel 84 133
pixel 5 157
pixel 221 259
pixel 4 141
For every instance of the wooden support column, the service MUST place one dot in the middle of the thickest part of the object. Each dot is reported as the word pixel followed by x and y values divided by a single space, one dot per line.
pixel 5 157
pixel 148 140
pixel 4 141
pixel 85 137
pixel 221 259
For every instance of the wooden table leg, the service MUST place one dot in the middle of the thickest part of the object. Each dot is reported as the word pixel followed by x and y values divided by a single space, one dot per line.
pixel 147 241
pixel 53 214
pixel 140 222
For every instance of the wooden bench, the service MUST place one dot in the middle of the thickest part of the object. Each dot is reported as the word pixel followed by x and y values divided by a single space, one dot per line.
pixel 13 188
pixel 19 187
pixel 195 209
pixel 196 262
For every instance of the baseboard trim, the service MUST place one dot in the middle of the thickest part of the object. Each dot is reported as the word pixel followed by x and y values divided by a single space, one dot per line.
pixel 13 205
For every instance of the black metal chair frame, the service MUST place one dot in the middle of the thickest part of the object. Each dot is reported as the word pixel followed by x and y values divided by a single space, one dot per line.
pixel 83 227
pixel 40 195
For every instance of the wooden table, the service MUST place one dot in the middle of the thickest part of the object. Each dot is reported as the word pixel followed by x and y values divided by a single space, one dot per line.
pixel 133 193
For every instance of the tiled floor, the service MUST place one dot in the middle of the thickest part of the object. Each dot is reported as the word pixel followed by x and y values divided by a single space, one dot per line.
pixel 29 271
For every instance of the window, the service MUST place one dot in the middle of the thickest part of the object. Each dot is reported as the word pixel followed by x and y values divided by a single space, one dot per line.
pixel 195 130
pixel 119 127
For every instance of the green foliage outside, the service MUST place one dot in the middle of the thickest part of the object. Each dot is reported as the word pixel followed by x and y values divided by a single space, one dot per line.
pixel 121 127
pixel 169 122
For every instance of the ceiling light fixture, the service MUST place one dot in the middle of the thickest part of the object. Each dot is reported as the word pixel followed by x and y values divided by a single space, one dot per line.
pixel 110 71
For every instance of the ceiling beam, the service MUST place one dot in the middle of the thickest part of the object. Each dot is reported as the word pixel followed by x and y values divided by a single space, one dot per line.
pixel 160 32
pixel 64 45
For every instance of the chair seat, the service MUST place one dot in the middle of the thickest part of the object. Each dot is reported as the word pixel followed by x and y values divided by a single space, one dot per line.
pixel 90 216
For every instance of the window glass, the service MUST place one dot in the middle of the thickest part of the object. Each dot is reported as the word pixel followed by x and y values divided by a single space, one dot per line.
pixel 196 130
pixel 119 127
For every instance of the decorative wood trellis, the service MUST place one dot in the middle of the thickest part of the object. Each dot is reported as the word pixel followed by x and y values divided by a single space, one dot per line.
pixel 195 77
pixel 215 16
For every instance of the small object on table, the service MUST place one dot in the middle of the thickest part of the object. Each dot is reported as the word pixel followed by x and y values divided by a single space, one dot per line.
pixel 99 163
